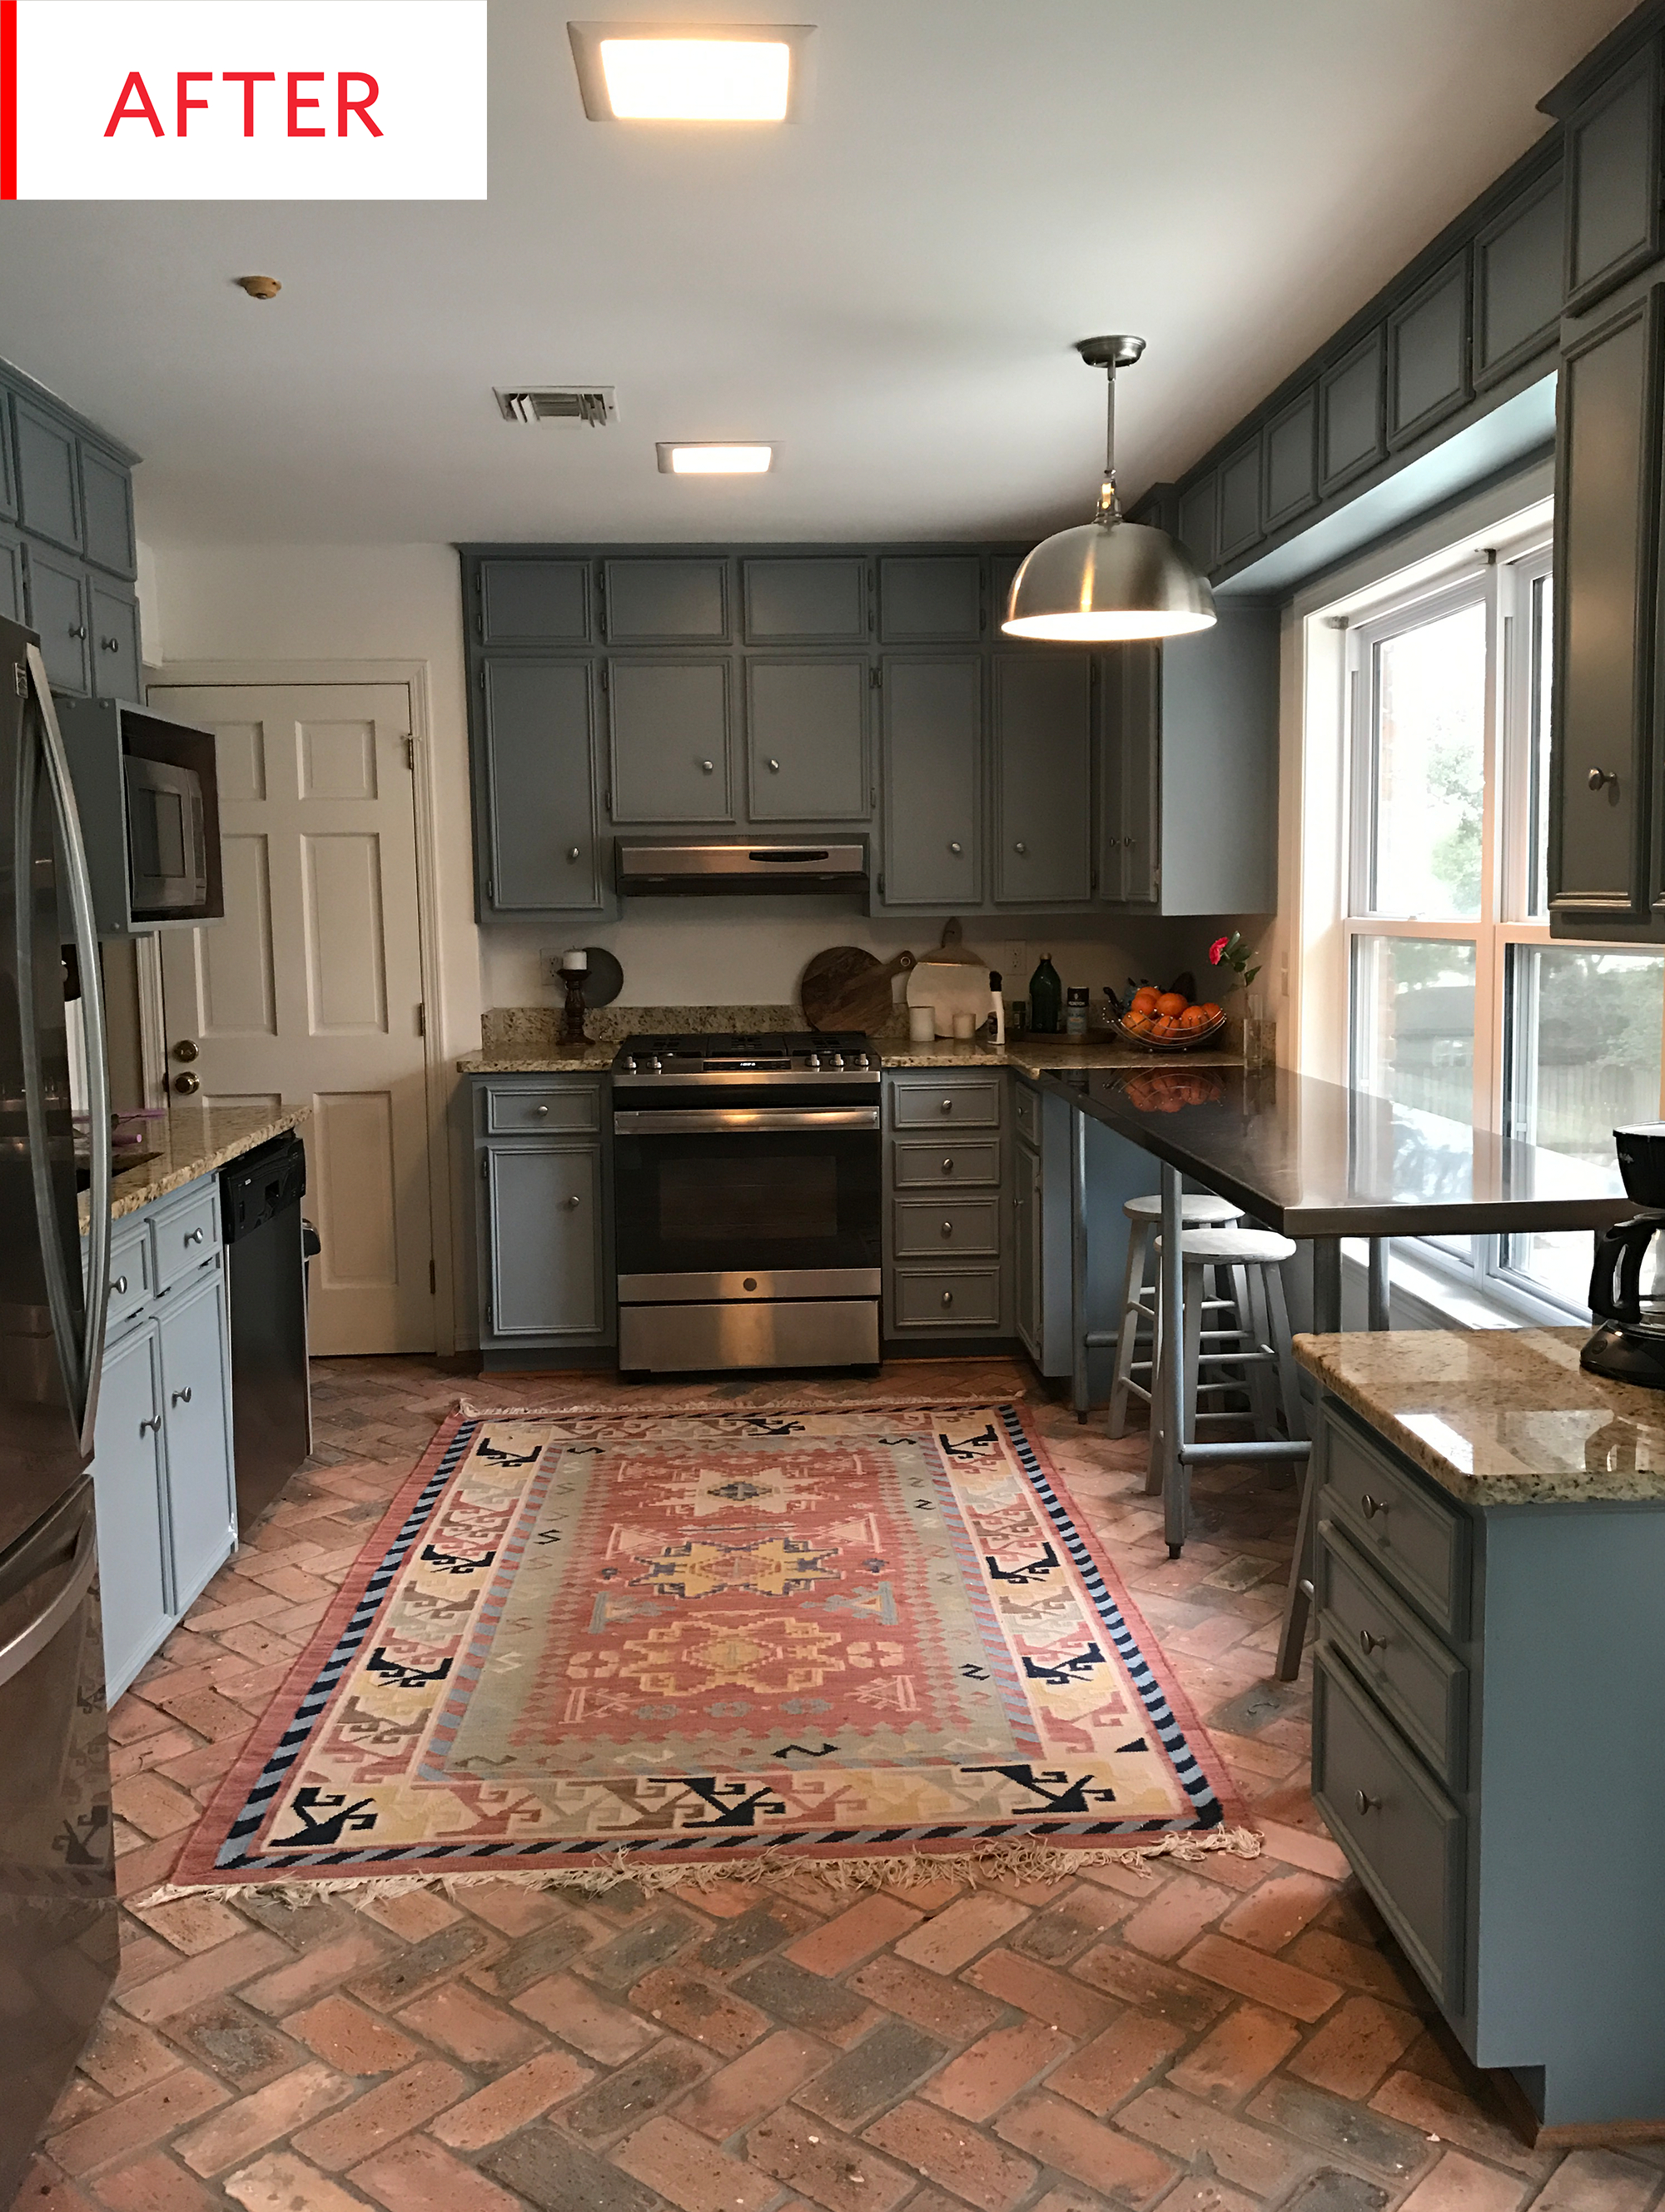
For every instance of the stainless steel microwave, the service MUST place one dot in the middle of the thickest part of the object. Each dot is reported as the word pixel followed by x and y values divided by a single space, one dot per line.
pixel 167 839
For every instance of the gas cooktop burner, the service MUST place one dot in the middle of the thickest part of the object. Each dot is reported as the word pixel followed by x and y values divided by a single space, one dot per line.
pixel 708 1055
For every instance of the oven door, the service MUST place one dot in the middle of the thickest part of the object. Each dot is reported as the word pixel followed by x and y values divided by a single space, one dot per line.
pixel 778 1202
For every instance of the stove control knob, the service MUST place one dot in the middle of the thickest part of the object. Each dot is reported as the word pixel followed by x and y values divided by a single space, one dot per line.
pixel 860 1060
pixel 658 1065
pixel 629 1064
pixel 838 1060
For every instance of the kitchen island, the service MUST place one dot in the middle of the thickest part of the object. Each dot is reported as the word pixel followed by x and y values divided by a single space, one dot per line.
pixel 1489 1700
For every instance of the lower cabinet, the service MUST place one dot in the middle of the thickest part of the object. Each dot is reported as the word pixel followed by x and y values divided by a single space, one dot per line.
pixel 1028 1201
pixel 542 1237
pixel 162 1467
pixel 947 1244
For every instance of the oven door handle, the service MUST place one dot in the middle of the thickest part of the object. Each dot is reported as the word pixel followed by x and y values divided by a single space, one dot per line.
pixel 738 1120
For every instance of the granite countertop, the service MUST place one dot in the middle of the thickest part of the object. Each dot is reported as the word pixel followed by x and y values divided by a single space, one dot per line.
pixel 192 1142
pixel 1032 1054
pixel 1501 1416
pixel 551 1059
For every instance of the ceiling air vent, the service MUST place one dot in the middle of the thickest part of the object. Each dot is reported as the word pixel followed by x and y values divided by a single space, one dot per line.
pixel 559 403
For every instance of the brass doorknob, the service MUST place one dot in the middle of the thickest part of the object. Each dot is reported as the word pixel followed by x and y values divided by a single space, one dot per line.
pixel 187 1084
pixel 1598 776
pixel 186 1049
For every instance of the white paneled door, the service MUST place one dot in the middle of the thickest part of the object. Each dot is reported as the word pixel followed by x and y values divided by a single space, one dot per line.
pixel 310 990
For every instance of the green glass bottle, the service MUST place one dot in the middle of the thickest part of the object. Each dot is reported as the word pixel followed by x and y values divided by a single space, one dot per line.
pixel 1046 998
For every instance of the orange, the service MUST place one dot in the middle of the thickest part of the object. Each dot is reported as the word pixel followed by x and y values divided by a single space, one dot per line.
pixel 1145 998
pixel 1209 1011
pixel 1194 1017
pixel 1171 1003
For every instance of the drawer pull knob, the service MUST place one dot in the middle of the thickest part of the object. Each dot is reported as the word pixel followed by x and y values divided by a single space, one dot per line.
pixel 183 1397
pixel 948 1297
pixel 119 1285
pixel 708 767
pixel 1370 1507
pixel 1367 1642
pixel 948 1167
pixel 947 1105
pixel 1020 847
pixel 1366 1802
pixel 572 1201
pixel 193 1235
pixel 540 1111
pixel 948 1228
pixel 775 768
pixel 148 1428
pixel 572 851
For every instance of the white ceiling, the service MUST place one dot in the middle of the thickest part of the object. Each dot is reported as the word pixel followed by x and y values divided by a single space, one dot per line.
pixel 889 290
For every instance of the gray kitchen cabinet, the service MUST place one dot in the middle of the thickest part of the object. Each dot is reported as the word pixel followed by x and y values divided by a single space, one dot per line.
pixel 202 1499
pixel 666 602
pixel 1200 521
pixel 931 780
pixel 1517 279
pixel 8 461
pixel 535 794
pixel 807 601
pixel 57 609
pixel 114 646
pixel 1603 710
pixel 931 599
pixel 668 734
pixel 1028 1205
pixel 14 599
pixel 947 1259
pixel 48 484
pixel 1613 200
pixel 806 737
pixel 1428 374
pixel 1351 435
pixel 1042 739
pixel 1188 808
pixel 1291 461
pixel 538 602
pixel 106 503
pixel 1240 500
pixel 542 1237
pixel 128 1491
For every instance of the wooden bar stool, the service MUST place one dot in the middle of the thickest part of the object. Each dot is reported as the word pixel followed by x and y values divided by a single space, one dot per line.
pixel 1256 1351
pixel 1138 1297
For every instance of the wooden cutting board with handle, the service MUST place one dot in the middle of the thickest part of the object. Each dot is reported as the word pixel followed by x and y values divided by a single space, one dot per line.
pixel 846 989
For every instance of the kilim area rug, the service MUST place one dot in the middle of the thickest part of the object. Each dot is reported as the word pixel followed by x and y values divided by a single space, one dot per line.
pixel 593 1646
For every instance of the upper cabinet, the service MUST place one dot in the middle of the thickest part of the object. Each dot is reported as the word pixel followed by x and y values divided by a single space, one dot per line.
pixel 107 509
pixel 668 728
pixel 1517 279
pixel 808 602
pixel 1612 194
pixel 1291 461
pixel 533 603
pixel 666 602
pixel 1240 500
pixel 806 736
pixel 932 599
pixel 1428 354
pixel 535 800
pixel 1352 432
pixel 1043 730
pixel 48 482
pixel 933 719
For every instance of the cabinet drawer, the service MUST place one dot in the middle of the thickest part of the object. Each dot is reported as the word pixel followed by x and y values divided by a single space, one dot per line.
pixel 185 1236
pixel 1418 1542
pixel 511 1111
pixel 950 1105
pixel 940 1300
pixel 916 1167
pixel 1409 1671
pixel 1026 1111
pixel 1402 1833
pixel 129 1278
pixel 925 1231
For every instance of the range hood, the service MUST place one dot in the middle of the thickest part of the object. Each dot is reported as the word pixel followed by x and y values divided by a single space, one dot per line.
pixel 731 864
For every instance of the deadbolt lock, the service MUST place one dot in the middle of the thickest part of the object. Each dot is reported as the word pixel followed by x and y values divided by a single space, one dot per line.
pixel 186 1049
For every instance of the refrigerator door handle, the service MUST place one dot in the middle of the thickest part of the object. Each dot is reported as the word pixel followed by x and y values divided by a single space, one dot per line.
pixel 86 1362
pixel 18 1651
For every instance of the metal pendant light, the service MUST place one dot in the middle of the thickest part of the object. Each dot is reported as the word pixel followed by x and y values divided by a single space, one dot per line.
pixel 1109 579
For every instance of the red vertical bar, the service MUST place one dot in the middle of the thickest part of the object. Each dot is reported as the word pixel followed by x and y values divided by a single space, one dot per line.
pixel 7 100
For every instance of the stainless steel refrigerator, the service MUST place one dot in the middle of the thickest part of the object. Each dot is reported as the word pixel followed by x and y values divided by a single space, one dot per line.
pixel 57 1910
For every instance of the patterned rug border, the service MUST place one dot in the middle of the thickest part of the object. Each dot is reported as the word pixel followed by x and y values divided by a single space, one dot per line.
pixel 196 1873
pixel 927 1402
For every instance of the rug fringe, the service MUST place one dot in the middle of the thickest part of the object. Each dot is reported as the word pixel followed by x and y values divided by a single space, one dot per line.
pixel 1027 1859
pixel 928 1402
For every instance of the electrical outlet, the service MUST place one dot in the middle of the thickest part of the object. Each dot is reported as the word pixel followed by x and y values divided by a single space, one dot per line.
pixel 551 964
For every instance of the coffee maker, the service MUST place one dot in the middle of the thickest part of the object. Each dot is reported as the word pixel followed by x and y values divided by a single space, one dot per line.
pixel 1630 1345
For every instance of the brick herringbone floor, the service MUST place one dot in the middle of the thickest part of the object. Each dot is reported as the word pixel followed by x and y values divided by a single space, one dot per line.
pixel 1210 2039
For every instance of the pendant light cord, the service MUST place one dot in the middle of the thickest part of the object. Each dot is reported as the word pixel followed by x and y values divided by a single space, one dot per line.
pixel 1109 507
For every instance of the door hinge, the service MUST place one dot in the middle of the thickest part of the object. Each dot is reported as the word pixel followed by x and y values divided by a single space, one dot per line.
pixel 881 882
pixel 491 891
pixel 20 678
pixel 432 1280
pixel 610 798
pixel 485 1167
pixel 480 625
pixel 604 677
pixel 489 1324
pixel 482 675
pixel 1092 877
pixel 872 795
pixel 410 753
pixel 876 679
pixel 421 1019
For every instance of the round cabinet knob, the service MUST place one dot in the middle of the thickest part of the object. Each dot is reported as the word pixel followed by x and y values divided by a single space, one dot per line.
pixel 948 1228
pixel 182 1397
pixel 1598 776
pixel 542 1112
pixel 572 1201
pixel 193 1236
pixel 1020 847
pixel 148 1428
pixel 78 629
pixel 1367 1642
pixel 1366 1802
pixel 954 845
pixel 948 1166
pixel 775 768
pixel 187 1084
pixel 948 1297
pixel 119 1285
pixel 947 1105
pixel 572 851
pixel 184 1050
pixel 1370 1507
pixel 750 1283
pixel 708 767
pixel 111 644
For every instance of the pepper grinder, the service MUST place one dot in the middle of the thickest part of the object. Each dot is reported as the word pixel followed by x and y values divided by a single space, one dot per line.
pixel 574 967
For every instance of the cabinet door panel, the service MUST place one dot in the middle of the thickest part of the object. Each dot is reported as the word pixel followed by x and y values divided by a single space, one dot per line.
pixel 1198 522
pixel 932 781
pixel 1042 778
pixel 668 722
pixel 106 499
pixel 196 1423
pixel 14 601
pixel 538 833
pixel 932 599
pixel 1518 282
pixel 1613 183
pixel 57 609
pixel 7 462
pixel 807 602
pixel 1240 500
pixel 1291 461
pixel 1130 693
pixel 806 738
pixel 127 1484
pixel 1606 573
pixel 1428 354
pixel 542 1232
pixel 666 602
pixel 49 496
pixel 114 643
pixel 1028 1219
pixel 1350 413
pixel 534 603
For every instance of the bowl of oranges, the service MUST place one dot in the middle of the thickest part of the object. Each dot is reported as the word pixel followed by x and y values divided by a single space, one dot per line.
pixel 1155 1020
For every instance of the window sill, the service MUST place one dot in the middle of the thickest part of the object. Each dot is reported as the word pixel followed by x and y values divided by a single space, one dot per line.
pixel 1423 1296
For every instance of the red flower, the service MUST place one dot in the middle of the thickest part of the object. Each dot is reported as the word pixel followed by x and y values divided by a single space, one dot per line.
pixel 1216 949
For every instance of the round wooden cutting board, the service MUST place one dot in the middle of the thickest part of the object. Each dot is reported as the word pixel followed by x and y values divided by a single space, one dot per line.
pixel 846 989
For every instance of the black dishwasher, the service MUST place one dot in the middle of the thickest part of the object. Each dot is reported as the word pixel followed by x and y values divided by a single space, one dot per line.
pixel 272 1413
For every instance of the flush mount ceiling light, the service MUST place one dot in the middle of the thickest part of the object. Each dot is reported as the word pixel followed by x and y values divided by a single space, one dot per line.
pixel 692 72
pixel 711 460
pixel 1109 579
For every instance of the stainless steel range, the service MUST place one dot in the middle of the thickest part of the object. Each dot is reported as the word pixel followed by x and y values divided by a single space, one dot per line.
pixel 746 1200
